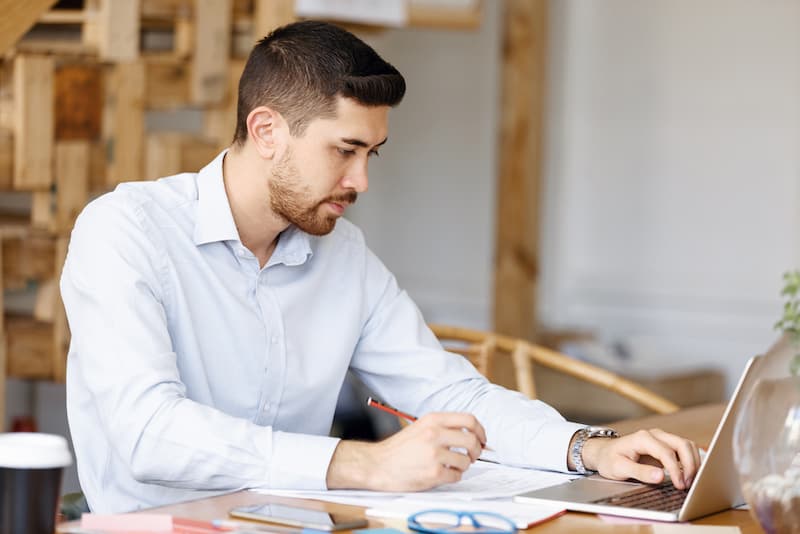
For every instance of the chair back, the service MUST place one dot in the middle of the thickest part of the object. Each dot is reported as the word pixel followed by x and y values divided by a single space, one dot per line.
pixel 485 349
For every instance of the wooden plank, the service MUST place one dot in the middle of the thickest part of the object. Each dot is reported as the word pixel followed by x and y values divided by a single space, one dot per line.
pixel 25 258
pixel 183 37
pixel 3 363
pixel 117 29
pixel 220 120
pixel 61 335
pixel 167 83
pixel 43 211
pixel 80 99
pixel 18 17
pixel 72 182
pixel 12 227
pixel 163 155
pixel 242 8
pixel 164 9
pixel 196 153
pixel 3 367
pixel 98 166
pixel 128 123
pixel 53 46
pixel 171 153
pixel 33 122
pixel 63 16
pixel 212 25
pixel 6 159
pixel 517 248
pixel 6 114
pixel 55 211
pixel 468 17
pixel 44 305
pixel 29 348
pixel 271 14
pixel 6 95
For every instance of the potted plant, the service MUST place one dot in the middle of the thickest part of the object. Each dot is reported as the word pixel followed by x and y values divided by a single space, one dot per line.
pixel 789 323
pixel 767 437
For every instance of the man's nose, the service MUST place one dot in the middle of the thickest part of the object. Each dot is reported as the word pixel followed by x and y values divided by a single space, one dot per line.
pixel 357 177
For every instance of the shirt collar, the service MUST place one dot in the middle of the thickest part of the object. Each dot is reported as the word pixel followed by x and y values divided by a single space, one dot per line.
pixel 293 248
pixel 214 217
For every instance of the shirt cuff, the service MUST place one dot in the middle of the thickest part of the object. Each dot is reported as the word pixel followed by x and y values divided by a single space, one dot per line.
pixel 300 461
pixel 552 444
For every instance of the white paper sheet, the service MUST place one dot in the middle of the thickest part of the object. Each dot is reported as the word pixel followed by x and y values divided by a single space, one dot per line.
pixel 482 480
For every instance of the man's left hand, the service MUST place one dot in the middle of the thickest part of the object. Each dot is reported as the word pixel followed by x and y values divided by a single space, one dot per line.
pixel 621 458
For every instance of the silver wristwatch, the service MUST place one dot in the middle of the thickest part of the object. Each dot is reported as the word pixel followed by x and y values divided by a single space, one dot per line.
pixel 576 451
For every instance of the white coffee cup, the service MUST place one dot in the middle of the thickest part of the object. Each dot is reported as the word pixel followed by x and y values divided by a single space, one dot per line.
pixel 31 469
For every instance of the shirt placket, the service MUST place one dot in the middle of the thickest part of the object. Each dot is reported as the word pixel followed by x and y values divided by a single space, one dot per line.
pixel 274 352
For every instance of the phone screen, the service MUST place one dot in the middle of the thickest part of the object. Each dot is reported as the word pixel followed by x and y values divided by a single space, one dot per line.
pixel 298 517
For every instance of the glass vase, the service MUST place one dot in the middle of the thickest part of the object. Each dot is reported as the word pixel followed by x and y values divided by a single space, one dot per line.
pixel 766 447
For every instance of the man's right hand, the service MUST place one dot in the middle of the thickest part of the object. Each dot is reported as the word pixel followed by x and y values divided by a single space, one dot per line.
pixel 417 458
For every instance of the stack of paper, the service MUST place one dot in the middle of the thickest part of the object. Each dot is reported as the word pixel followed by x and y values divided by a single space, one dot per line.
pixel 491 484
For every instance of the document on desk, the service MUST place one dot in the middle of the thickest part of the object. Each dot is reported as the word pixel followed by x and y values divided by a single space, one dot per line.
pixel 483 480
pixel 484 487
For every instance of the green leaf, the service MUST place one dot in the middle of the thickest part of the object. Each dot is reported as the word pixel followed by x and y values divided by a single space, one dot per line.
pixel 794 367
pixel 789 323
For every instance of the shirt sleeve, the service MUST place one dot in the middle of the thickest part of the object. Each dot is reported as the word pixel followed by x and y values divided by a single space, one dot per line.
pixel 113 290
pixel 401 360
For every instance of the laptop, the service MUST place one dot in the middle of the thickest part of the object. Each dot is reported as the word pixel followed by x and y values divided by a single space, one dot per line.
pixel 716 485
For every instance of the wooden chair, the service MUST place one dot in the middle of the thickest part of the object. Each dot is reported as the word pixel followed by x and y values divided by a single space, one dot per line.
pixel 482 348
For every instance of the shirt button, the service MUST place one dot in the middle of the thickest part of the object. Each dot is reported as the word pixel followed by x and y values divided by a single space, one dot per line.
pixel 266 407
pixel 242 253
pixel 274 340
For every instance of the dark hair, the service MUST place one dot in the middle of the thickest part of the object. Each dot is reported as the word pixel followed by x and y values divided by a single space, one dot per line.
pixel 300 69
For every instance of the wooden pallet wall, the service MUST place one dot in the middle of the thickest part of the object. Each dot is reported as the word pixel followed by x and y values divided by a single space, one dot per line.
pixel 75 93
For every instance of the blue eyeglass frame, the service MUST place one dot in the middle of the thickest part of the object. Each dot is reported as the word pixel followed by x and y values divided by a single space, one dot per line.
pixel 414 524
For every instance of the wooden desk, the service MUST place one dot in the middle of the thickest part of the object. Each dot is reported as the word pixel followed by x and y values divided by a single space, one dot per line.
pixel 697 424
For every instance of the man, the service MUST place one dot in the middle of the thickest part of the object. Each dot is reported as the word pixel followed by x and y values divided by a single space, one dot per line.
pixel 214 316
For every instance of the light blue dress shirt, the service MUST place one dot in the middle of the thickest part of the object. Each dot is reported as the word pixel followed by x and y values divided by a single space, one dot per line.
pixel 193 371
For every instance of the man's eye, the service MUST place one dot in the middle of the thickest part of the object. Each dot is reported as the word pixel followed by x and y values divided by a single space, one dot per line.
pixel 346 151
pixel 374 153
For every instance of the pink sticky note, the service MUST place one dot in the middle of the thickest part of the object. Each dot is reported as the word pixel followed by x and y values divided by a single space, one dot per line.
pixel 127 522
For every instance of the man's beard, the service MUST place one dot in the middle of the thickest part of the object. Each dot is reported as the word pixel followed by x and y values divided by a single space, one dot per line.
pixel 297 207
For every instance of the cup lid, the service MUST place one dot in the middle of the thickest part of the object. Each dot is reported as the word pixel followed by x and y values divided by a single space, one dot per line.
pixel 33 450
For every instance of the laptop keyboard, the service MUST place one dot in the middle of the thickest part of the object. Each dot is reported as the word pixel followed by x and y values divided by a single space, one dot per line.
pixel 663 498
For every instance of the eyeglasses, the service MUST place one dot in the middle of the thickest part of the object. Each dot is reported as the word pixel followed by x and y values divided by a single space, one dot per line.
pixel 449 521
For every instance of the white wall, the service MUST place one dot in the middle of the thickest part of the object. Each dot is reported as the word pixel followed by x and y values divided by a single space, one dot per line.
pixel 673 189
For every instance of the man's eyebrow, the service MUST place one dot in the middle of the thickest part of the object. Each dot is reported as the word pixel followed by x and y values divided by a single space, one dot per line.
pixel 359 142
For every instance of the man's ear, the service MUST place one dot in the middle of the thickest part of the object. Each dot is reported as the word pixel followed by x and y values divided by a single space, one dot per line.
pixel 267 129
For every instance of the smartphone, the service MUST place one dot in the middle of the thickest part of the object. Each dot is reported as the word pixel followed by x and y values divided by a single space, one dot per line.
pixel 298 517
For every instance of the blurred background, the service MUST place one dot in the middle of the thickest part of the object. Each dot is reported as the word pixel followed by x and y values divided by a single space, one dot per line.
pixel 617 179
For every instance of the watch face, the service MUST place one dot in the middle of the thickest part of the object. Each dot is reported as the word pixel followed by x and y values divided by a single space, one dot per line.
pixel 597 431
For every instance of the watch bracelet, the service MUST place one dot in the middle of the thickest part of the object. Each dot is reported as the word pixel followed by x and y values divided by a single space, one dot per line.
pixel 584 434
